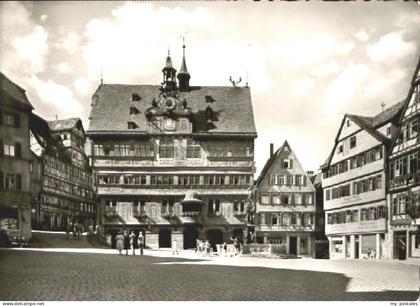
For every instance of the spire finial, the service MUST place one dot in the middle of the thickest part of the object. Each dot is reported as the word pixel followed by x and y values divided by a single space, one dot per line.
pixel 383 105
pixel 102 80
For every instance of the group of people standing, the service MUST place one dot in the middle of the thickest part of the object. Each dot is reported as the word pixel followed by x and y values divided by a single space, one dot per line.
pixel 204 248
pixel 129 241
pixel 75 228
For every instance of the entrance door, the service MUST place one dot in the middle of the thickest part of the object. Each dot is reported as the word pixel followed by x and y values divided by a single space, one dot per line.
pixel 293 245
pixel 356 251
pixel 165 238
pixel 215 236
pixel 190 237
pixel 401 247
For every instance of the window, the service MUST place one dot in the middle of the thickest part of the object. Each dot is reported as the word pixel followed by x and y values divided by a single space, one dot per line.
pixel 308 199
pixel 352 142
pixel 193 149
pixel 9 149
pixel 274 220
pixel 388 131
pixel 214 206
pixel 327 194
pixel 131 125
pixel 287 163
pixel 299 180
pixel 275 198
pixel 166 148
pixel 298 198
pixel 282 180
pixel 134 110
pixel 12 181
pixel 12 120
pixel 340 149
pixel 348 122
pixel 285 199
pixel 135 97
pixel 264 198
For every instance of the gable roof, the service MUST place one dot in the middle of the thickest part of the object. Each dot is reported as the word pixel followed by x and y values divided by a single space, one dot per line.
pixel 370 125
pixel 414 82
pixel 110 109
pixel 271 161
pixel 63 124
pixel 14 91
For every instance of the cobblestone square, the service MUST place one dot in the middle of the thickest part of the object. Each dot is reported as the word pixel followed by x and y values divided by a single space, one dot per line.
pixel 100 274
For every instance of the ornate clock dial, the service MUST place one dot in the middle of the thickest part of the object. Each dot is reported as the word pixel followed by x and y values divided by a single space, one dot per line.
pixel 169 104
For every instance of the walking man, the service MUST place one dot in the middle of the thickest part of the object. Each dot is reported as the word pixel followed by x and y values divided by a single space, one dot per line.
pixel 175 247
pixel 140 241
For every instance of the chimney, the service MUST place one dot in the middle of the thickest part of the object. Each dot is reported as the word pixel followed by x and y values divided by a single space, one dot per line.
pixel 271 150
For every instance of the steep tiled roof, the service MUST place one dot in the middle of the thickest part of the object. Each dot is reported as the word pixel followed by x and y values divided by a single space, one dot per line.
pixel 13 90
pixel 388 114
pixel 62 124
pixel 110 111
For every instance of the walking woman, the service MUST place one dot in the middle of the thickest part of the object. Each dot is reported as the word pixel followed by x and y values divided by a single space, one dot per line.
pixel 140 242
pixel 120 241
pixel 126 242
pixel 132 242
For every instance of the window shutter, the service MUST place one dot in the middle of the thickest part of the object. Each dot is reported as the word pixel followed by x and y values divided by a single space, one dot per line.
pixel 291 163
pixel 17 121
pixel 1 180
pixel 18 151
pixel 304 180
pixel 18 182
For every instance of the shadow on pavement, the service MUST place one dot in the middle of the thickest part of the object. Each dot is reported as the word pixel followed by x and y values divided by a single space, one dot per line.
pixel 48 276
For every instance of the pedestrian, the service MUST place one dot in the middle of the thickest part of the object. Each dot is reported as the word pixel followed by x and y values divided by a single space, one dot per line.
pixel 120 242
pixel 74 230
pixel 68 230
pixel 175 247
pixel 197 244
pixel 126 242
pixel 225 248
pixel 140 241
pixel 201 247
pixel 236 245
pixel 132 241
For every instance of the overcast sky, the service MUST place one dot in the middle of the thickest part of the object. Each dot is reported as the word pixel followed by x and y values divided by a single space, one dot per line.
pixel 308 63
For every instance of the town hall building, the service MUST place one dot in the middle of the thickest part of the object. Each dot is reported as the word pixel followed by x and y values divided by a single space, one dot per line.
pixel 174 161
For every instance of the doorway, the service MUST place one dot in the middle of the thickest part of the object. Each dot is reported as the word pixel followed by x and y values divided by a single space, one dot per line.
pixel 190 237
pixel 165 238
pixel 293 245
pixel 401 248
pixel 356 251
pixel 215 236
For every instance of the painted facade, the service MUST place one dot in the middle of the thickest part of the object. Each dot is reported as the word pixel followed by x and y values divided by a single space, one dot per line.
pixel 173 161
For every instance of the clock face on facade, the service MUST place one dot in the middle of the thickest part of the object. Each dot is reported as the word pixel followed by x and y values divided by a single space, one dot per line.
pixel 169 124
pixel 169 104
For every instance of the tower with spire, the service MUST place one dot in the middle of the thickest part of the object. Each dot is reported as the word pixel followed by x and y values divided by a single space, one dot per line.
pixel 169 73
pixel 183 74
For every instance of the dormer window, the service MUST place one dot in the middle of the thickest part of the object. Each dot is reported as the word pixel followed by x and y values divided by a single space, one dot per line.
pixel 132 125
pixel 134 110
pixel 209 99
pixel 135 97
